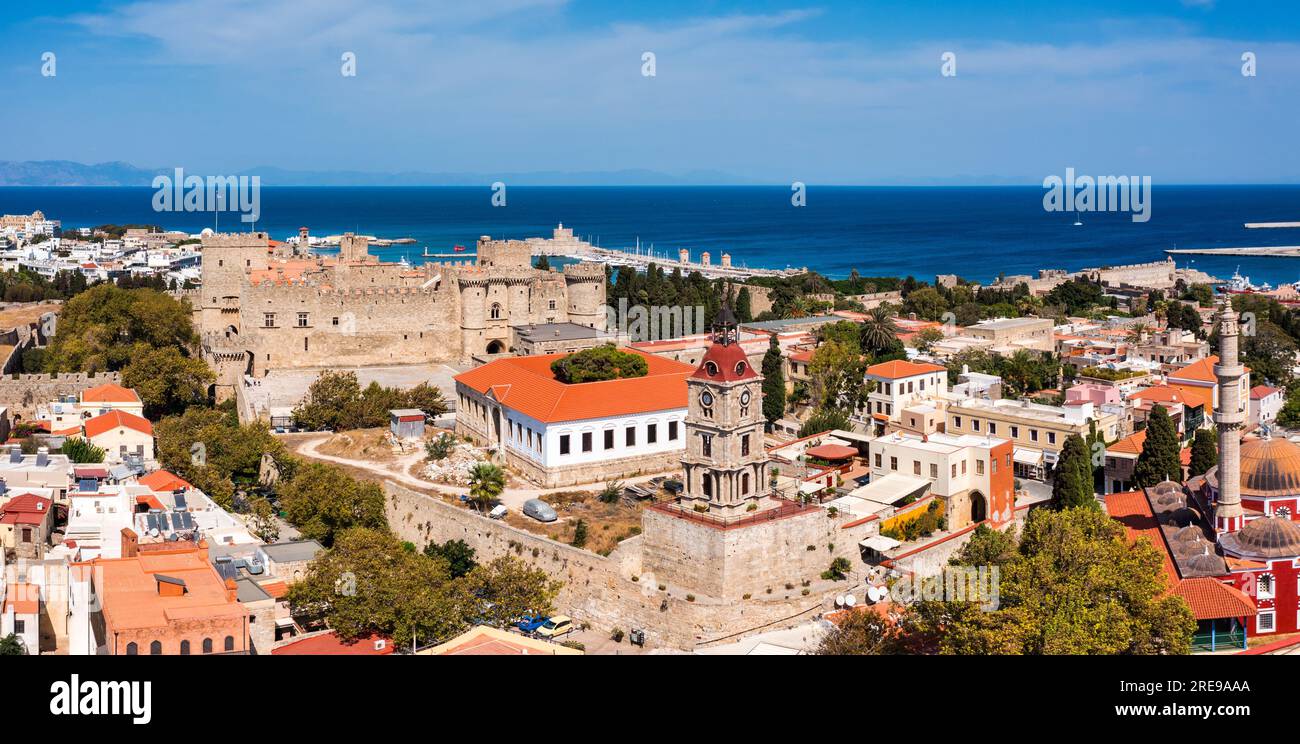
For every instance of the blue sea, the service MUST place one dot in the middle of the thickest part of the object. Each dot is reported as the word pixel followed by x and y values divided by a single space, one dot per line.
pixel 977 232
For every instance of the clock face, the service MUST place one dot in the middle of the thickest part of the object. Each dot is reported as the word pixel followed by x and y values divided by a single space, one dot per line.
pixel 706 398
pixel 744 398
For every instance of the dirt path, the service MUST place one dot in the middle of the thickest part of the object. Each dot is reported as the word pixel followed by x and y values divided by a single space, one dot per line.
pixel 513 498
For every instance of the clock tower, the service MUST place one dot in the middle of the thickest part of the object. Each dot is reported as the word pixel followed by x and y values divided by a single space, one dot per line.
pixel 725 463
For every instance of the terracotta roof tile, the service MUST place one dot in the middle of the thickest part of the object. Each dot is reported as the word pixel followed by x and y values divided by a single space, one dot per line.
pixel 114 419
pixel 1211 599
pixel 898 368
pixel 527 385
pixel 109 392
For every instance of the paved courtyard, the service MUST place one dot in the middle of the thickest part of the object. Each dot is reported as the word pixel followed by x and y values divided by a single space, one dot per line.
pixel 286 387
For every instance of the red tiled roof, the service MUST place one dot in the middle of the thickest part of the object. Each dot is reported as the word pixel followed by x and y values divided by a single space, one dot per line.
pixel 1132 445
pixel 729 362
pixel 162 480
pixel 1262 391
pixel 1132 510
pixel 329 644
pixel 899 368
pixel 527 385
pixel 276 589
pixel 23 599
pixel 114 419
pixel 1201 369
pixel 25 509
pixel 1211 599
pixel 109 392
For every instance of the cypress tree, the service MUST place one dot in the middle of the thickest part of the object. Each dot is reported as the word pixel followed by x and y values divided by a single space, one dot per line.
pixel 542 263
pixel 1159 459
pixel 773 382
pixel 744 310
pixel 1072 481
pixel 1205 452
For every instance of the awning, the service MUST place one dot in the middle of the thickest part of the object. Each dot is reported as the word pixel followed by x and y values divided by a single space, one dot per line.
pixel 879 543
pixel 1027 456
pixel 892 488
pixel 812 487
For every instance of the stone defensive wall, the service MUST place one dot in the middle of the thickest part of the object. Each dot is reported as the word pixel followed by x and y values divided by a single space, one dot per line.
pixel 616 591
pixel 22 393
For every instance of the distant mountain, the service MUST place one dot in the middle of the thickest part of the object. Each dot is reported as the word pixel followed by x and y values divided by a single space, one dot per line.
pixel 68 173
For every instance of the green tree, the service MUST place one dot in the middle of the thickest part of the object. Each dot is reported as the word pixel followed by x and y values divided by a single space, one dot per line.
pixel 80 451
pixel 1072 482
pixel 542 263
pixel 508 588
pixel 773 382
pixel 1205 452
pixel 927 303
pixel 322 501
pixel 1159 459
pixel 987 547
pixel 330 401
pixel 598 363
pixel 460 557
pixel 1074 584
pixel 823 420
pixel 106 327
pixel 441 447
pixel 367 582
pixel 12 645
pixel 263 522
pixel 579 534
pixel 210 449
pixel 168 381
pixel 1289 416
pixel 744 306
pixel 486 482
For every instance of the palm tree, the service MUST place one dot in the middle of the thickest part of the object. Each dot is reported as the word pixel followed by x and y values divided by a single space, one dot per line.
pixel 486 482
pixel 1138 333
pixel 878 330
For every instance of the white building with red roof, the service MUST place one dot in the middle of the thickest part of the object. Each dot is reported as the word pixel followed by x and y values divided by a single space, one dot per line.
pixel 562 434
pixel 121 435
pixel 1265 404
pixel 898 385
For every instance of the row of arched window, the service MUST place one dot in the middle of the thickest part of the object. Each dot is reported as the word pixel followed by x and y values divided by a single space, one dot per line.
pixel 155 647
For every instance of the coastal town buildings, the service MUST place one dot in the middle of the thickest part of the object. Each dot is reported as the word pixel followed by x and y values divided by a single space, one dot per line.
pixel 973 474
pixel 1037 431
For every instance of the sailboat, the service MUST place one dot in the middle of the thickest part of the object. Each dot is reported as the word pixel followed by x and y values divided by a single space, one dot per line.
pixel 1077 221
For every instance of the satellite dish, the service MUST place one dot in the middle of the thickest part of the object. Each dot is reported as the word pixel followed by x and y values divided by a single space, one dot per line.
pixel 850 600
pixel 873 594
pixel 839 601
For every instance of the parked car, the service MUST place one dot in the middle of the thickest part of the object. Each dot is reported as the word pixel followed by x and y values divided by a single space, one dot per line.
pixel 498 511
pixel 530 623
pixel 554 627
pixel 540 510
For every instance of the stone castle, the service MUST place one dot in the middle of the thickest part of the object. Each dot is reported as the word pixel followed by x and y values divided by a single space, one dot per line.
pixel 262 307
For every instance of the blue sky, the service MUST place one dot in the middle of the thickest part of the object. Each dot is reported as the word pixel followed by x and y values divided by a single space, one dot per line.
pixel 822 92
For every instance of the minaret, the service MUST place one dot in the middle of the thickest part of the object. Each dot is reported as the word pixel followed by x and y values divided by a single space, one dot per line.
pixel 1229 418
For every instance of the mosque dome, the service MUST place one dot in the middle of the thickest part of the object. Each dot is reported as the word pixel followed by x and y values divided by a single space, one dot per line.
pixel 1266 537
pixel 1270 467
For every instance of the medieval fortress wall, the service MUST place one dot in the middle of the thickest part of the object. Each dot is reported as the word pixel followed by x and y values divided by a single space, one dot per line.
pixel 260 309
pixel 617 591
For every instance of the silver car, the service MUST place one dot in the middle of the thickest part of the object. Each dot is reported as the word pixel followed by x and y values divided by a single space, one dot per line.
pixel 540 510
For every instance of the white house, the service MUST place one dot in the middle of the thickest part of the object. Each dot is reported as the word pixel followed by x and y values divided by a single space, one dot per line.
pixel 561 434
pixel 899 385
pixel 1265 404
pixel 121 435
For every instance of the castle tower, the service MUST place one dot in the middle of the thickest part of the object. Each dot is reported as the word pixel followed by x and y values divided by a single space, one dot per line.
pixel 725 462
pixel 354 249
pixel 684 255
pixel 585 288
pixel 226 260
pixel 1229 418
